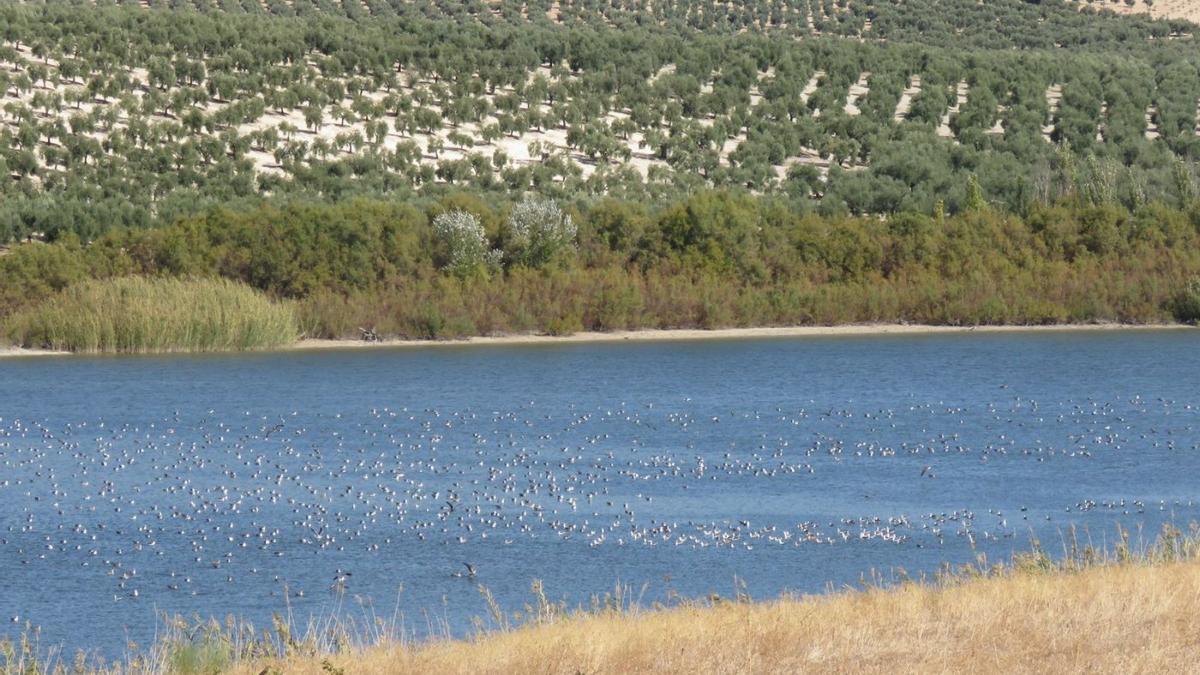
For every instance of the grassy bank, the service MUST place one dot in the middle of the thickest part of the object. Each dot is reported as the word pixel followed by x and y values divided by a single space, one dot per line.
pixel 136 315
pixel 1120 619
pixel 1130 608
pixel 1118 612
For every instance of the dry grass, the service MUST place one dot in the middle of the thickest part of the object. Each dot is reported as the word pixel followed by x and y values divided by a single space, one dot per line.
pixel 1108 619
pixel 1119 610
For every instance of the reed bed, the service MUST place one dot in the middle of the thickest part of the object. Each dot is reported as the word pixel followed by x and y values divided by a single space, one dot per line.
pixel 148 314
pixel 1130 608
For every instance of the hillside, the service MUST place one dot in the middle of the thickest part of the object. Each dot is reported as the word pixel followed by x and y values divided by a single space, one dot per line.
pixel 132 116
pixel 686 165
pixel 1186 10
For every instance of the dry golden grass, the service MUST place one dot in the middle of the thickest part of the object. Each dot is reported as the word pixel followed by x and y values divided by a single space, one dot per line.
pixel 1134 618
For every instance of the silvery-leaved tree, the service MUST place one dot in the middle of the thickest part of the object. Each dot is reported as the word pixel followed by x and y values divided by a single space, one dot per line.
pixel 464 243
pixel 539 231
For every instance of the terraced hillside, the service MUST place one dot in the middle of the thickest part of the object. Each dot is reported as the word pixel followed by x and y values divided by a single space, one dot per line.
pixel 136 113
pixel 1187 10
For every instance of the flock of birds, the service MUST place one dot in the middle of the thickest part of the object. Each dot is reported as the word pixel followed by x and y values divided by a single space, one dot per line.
pixel 161 505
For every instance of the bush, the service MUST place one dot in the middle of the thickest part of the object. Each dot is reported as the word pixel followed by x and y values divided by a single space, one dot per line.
pixel 137 314
pixel 464 243
pixel 1187 303
pixel 539 231
pixel 37 271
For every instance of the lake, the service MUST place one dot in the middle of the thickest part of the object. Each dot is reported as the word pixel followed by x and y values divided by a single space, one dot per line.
pixel 368 480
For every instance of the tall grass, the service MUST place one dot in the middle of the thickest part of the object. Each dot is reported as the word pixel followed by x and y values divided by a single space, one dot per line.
pixel 1128 606
pixel 140 314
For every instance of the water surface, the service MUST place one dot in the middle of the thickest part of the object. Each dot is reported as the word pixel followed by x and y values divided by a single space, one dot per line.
pixel 247 484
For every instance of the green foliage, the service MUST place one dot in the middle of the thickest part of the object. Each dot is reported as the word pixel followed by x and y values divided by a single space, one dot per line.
pixel 463 244
pixel 711 230
pixel 36 270
pixel 717 258
pixel 1186 305
pixel 539 232
pixel 975 200
pixel 288 250
pixel 137 314
pixel 176 111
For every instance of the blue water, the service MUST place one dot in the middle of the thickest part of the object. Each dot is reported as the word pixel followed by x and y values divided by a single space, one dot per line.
pixel 251 484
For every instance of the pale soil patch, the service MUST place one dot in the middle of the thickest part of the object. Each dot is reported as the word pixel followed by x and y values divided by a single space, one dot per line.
pixel 1053 99
pixel 997 127
pixel 730 145
pixel 811 86
pixel 813 158
pixel 960 97
pixel 906 98
pixel 1188 10
pixel 668 69
pixel 857 91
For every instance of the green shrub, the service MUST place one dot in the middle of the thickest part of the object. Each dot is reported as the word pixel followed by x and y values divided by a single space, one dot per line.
pixel 1186 306
pixel 138 314
pixel 464 243
pixel 564 325
pixel 37 271
pixel 540 231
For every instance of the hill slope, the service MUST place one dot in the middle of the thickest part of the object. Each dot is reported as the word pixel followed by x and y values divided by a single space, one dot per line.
pixel 132 116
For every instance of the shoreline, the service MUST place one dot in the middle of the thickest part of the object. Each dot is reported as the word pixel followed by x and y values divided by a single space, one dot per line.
pixel 671 335
pixel 695 334
pixel 1008 622
pixel 9 352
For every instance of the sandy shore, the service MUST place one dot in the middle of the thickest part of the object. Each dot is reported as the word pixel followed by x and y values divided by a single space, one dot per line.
pixel 726 334
pixel 11 352
pixel 679 335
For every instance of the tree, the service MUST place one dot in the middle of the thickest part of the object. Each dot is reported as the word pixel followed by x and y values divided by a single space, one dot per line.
pixel 313 116
pixel 975 201
pixel 539 231
pixel 464 244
